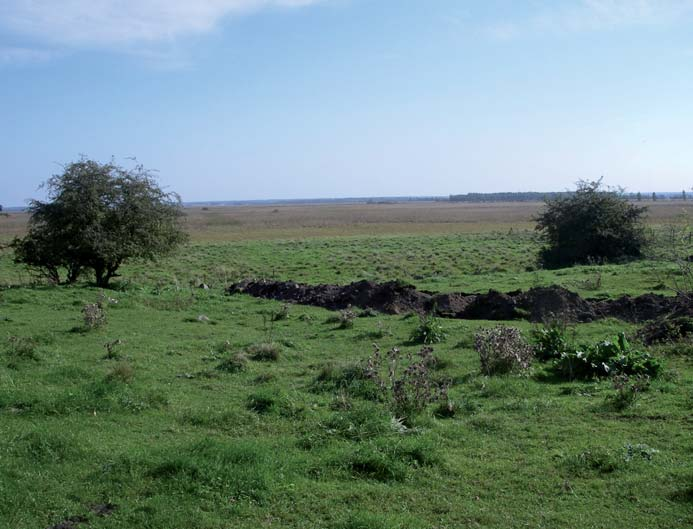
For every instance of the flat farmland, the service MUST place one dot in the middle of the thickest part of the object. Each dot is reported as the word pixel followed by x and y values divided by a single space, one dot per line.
pixel 231 223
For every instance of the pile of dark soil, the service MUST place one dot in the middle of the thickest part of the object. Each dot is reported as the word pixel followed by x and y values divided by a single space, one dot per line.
pixel 537 304
pixel 392 297
pixel 667 330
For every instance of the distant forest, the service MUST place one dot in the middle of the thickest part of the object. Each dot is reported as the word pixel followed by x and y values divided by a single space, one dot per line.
pixel 536 196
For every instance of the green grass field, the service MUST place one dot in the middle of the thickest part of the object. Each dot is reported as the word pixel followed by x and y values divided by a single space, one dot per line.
pixel 173 435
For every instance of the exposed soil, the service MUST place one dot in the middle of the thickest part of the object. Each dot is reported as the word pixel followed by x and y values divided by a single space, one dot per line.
pixel 667 329
pixel 537 304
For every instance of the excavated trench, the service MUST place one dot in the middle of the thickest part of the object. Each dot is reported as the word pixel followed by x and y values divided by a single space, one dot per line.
pixel 537 304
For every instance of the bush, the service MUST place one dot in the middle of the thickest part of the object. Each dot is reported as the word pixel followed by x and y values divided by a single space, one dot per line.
pixel 502 350
pixel 429 331
pixel 262 402
pixel 628 390
pixel 590 225
pixel 346 379
pixel 606 358
pixel 94 315
pixel 234 364
pixel 363 421
pixel 389 460
pixel 112 349
pixel 596 460
pixel 344 319
pixel 282 313
pixel 22 348
pixel 550 341
pixel 408 390
pixel 122 372
pixel 264 352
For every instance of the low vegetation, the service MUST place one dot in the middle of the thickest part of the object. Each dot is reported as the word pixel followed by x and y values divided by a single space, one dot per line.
pixel 502 350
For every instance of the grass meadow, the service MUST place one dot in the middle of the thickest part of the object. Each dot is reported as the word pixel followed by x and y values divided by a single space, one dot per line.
pixel 192 408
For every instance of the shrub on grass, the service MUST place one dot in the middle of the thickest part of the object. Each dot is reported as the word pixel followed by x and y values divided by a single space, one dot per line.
pixel 446 410
pixel 606 358
pixel 122 372
pixel 344 319
pixel 112 349
pixel 361 422
pixel 550 341
pixel 264 352
pixel 369 461
pixel 350 379
pixel 390 459
pixel 406 382
pixel 607 461
pixel 592 224
pixel 597 460
pixel 429 331
pixel 21 348
pixel 233 364
pixel 261 402
pixel 44 446
pixel 628 390
pixel 502 350
pixel 94 315
pixel 264 378
pixel 282 313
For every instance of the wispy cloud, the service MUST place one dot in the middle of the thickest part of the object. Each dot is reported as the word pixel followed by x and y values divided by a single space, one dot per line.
pixel 120 24
pixel 594 15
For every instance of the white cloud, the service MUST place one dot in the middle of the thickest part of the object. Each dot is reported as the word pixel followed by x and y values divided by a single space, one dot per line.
pixel 595 15
pixel 117 23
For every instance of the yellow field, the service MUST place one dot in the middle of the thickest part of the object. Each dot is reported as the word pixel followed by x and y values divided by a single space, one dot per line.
pixel 229 223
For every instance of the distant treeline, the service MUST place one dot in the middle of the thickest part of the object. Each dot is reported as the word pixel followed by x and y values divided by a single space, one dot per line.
pixel 528 196
pixel 536 196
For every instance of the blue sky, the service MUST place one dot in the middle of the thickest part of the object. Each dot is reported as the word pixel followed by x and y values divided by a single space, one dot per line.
pixel 251 99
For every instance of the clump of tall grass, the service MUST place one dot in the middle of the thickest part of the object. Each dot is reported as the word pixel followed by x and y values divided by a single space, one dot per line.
pixel 264 352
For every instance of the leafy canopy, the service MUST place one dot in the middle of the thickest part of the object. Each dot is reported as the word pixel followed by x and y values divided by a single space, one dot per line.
pixel 590 225
pixel 97 217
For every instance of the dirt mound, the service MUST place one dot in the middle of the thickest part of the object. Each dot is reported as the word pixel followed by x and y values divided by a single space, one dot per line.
pixel 667 330
pixel 492 306
pixel 391 298
pixel 537 304
pixel 643 308
pixel 546 303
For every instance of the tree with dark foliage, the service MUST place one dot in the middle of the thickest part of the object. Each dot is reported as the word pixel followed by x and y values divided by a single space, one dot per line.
pixel 590 225
pixel 97 217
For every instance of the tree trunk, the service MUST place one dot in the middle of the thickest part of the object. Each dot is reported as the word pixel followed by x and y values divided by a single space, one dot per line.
pixel 104 273
pixel 101 277
pixel 73 272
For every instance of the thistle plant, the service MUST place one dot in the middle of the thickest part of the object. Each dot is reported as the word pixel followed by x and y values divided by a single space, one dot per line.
pixel 405 381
